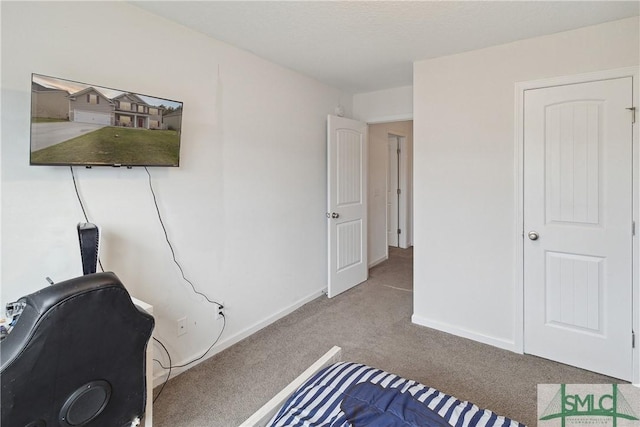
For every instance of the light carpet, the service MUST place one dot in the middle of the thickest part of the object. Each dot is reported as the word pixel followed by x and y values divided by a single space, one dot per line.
pixel 372 324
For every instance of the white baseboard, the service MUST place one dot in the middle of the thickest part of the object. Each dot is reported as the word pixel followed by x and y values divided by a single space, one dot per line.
pixel 227 342
pixel 465 333
pixel 378 261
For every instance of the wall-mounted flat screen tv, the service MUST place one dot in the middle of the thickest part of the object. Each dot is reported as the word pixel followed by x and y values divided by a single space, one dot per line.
pixel 74 123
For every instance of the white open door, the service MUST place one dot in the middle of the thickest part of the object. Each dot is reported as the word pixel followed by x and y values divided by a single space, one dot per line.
pixel 578 225
pixel 347 203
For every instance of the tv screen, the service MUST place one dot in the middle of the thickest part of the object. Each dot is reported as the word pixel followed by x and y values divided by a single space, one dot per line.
pixel 74 123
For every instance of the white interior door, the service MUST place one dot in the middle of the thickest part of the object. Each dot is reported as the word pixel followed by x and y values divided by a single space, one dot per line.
pixel 578 225
pixel 393 224
pixel 347 203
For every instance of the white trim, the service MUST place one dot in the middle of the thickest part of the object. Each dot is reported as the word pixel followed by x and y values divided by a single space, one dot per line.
pixel 636 216
pixel 387 174
pixel 518 291
pixel 404 183
pixel 390 119
pixel 464 333
pixel 229 341
pixel 579 78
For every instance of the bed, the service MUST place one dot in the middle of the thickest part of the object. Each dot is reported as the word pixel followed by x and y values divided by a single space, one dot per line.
pixel 335 393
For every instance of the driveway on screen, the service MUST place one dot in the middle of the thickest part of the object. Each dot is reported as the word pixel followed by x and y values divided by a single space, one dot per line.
pixel 45 135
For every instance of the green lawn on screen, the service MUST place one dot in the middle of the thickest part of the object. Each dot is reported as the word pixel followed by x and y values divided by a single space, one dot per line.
pixel 115 145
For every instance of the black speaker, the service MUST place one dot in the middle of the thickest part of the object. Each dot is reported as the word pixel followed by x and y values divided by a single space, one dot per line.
pixel 89 236
pixel 84 404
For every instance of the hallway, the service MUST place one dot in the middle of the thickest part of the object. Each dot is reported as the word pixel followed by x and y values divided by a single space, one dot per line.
pixel 397 271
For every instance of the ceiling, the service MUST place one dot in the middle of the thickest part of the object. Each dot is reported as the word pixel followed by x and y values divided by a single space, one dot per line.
pixel 363 46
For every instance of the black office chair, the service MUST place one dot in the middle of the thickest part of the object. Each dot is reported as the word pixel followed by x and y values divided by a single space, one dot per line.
pixel 76 357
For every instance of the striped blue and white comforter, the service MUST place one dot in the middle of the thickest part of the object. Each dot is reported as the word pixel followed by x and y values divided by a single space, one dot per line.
pixel 354 395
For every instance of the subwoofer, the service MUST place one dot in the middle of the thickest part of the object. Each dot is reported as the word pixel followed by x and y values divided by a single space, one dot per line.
pixel 84 404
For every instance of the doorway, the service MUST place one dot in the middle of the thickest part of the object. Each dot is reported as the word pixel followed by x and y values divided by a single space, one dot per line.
pixel 393 193
pixel 397 215
pixel 390 192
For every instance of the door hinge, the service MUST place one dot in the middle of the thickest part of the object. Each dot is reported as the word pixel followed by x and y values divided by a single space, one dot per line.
pixel 399 231
pixel 633 228
pixel 398 191
pixel 633 114
pixel 398 151
pixel 633 339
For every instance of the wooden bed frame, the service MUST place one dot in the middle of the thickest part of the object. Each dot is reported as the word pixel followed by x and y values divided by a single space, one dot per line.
pixel 263 415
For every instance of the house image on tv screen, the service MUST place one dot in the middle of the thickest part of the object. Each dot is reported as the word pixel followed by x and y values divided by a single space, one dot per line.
pixel 127 110
pixel 53 99
pixel 79 123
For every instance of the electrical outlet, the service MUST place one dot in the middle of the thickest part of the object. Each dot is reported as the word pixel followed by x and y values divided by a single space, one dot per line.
pixel 220 311
pixel 182 326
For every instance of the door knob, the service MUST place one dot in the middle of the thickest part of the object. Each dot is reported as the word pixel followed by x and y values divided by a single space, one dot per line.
pixel 335 215
pixel 533 235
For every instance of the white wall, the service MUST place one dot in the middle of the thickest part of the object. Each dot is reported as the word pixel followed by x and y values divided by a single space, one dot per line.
pixel 384 105
pixel 245 210
pixel 378 172
pixel 464 166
